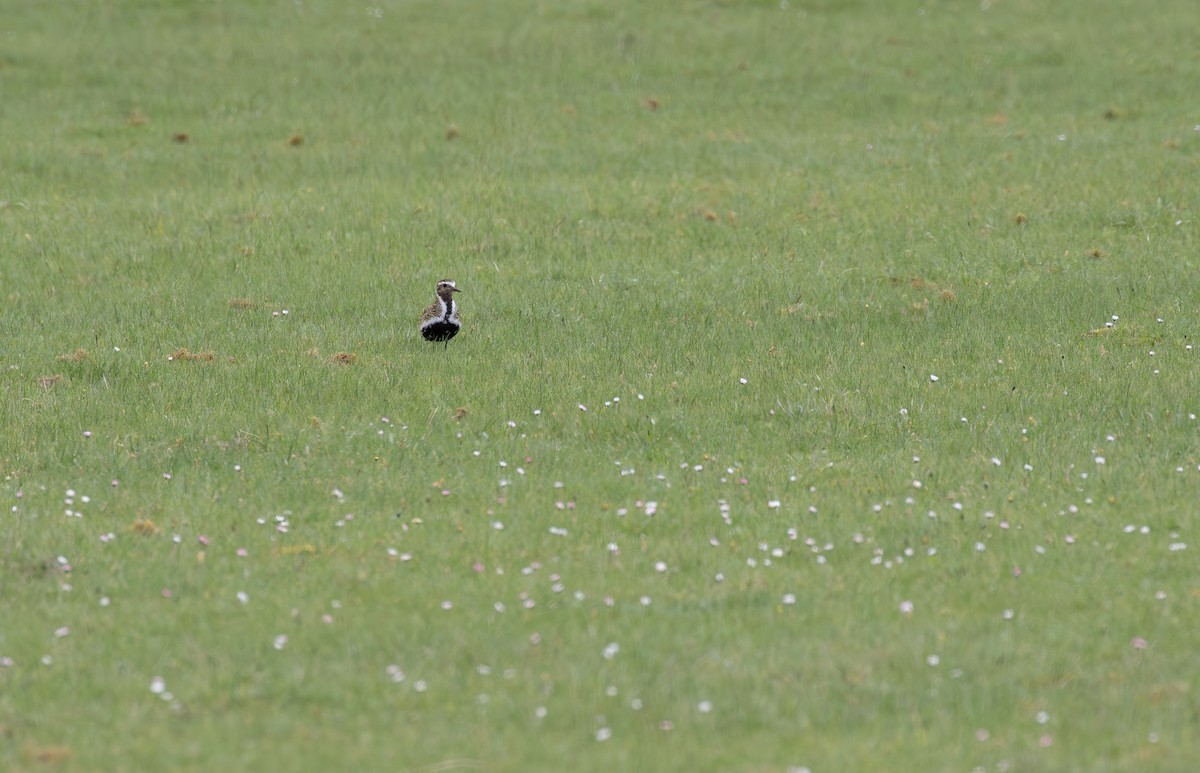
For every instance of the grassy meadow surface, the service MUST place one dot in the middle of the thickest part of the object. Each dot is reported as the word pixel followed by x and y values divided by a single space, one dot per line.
pixel 826 398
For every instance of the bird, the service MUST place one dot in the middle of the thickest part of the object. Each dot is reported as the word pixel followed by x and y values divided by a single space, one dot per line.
pixel 440 321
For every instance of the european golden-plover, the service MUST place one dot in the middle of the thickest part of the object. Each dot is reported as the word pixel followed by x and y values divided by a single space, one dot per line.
pixel 441 320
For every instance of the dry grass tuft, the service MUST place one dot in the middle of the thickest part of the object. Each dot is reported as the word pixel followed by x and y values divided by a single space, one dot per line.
pixel 184 354
pixel 49 755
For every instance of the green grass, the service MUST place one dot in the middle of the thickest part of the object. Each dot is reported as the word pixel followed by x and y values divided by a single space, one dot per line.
pixel 653 202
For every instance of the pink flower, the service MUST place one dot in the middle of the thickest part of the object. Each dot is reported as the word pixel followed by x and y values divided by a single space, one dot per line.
pixel 1138 643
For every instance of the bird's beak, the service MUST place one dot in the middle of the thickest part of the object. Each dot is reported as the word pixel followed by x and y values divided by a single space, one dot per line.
pixel 455 290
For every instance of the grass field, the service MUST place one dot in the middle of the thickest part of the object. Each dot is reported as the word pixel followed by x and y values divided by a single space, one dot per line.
pixel 826 397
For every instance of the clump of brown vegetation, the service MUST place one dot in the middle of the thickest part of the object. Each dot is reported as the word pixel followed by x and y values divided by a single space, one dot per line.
pixel 49 755
pixel 144 527
pixel 185 355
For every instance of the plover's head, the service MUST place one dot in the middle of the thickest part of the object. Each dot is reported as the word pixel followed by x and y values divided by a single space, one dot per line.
pixel 447 286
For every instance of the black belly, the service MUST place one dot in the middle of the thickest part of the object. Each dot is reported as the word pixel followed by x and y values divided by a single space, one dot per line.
pixel 440 331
